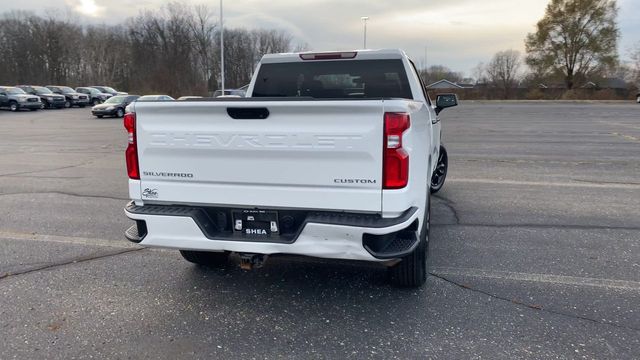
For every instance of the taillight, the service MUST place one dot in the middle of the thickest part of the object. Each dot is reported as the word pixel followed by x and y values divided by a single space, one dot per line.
pixel 395 164
pixel 131 154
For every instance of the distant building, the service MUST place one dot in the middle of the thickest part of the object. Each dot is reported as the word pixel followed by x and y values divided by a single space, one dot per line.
pixel 446 84
pixel 613 83
pixel 607 83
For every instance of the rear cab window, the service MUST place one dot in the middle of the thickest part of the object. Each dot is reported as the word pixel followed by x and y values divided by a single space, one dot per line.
pixel 341 79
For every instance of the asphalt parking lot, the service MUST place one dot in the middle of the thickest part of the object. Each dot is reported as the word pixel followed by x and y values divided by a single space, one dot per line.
pixel 535 253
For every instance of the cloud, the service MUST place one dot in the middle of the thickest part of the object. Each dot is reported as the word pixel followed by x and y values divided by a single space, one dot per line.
pixel 86 7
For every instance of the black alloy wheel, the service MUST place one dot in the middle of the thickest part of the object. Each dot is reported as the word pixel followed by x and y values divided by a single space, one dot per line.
pixel 440 173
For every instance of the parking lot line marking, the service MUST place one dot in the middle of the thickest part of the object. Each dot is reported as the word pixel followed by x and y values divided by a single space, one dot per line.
pixel 629 126
pixel 625 136
pixel 542 278
pixel 545 183
pixel 67 240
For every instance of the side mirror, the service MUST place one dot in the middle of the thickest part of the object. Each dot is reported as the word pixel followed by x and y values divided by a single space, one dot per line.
pixel 444 101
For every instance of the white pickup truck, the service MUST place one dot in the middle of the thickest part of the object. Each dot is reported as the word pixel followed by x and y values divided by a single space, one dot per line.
pixel 330 155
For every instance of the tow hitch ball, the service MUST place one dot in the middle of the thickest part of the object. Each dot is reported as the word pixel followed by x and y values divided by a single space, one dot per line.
pixel 250 261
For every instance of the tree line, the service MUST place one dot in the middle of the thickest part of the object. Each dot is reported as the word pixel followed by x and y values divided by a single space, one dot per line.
pixel 172 50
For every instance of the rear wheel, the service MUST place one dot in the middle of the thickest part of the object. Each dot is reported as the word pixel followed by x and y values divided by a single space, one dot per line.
pixel 96 102
pixel 13 106
pixel 205 258
pixel 67 104
pixel 411 271
pixel 120 113
pixel 440 173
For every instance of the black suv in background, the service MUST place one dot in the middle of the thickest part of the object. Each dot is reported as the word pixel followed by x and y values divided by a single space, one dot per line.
pixel 72 97
pixel 114 106
pixel 47 97
pixel 95 96
pixel 109 90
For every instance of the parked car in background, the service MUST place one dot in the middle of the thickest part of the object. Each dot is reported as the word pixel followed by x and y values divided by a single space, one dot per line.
pixel 71 96
pixel 95 96
pixel 109 90
pixel 230 92
pixel 155 98
pixel 150 98
pixel 48 99
pixel 15 99
pixel 114 106
pixel 189 97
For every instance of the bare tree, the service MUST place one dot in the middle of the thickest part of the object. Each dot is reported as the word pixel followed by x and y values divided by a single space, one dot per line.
pixel 439 72
pixel 635 58
pixel 479 73
pixel 203 29
pixel 301 47
pixel 503 69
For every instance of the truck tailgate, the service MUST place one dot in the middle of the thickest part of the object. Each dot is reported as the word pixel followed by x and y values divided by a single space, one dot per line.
pixel 304 154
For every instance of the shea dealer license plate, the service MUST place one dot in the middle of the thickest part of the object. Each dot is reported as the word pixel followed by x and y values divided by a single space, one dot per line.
pixel 256 222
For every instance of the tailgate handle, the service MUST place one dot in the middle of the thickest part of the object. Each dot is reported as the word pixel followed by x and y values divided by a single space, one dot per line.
pixel 248 113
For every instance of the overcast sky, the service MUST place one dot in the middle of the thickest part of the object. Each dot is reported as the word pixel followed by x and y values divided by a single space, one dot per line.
pixel 458 34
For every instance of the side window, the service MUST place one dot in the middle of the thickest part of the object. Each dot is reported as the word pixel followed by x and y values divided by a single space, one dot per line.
pixel 422 86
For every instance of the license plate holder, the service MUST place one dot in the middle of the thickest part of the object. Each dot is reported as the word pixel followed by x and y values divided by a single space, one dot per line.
pixel 256 223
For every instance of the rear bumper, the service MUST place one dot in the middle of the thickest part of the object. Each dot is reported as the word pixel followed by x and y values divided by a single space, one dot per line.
pixel 104 112
pixel 334 236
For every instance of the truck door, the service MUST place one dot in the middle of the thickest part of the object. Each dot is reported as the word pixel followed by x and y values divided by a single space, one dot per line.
pixel 435 120
pixel 4 99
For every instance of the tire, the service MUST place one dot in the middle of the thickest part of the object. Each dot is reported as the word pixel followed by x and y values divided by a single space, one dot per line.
pixel 412 270
pixel 99 116
pixel 13 106
pixel 638 99
pixel 205 258
pixel 67 104
pixel 120 112
pixel 440 173
pixel 35 109
pixel 43 105
pixel 95 102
